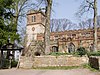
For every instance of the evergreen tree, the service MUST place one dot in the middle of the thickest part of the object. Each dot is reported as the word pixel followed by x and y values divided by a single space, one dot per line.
pixel 7 27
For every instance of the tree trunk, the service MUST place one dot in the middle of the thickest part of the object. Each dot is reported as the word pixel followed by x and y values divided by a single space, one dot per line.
pixel 95 25
pixel 47 27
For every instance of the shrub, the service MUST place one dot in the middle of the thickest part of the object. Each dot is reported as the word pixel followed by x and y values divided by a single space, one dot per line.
pixel 81 51
pixel 5 64
pixel 58 53
pixel 14 64
pixel 94 53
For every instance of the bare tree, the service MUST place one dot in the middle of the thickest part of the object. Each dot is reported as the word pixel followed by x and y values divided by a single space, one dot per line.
pixel 52 25
pixel 47 26
pixel 95 24
pixel 86 24
pixel 56 25
pixel 21 7
pixel 68 25
pixel 89 23
pixel 81 25
pixel 61 25
pixel 98 21
pixel 87 6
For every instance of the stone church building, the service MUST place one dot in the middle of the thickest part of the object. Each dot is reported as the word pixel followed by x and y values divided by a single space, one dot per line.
pixel 64 41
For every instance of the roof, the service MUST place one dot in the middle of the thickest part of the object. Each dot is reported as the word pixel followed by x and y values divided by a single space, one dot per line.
pixel 35 12
pixel 10 46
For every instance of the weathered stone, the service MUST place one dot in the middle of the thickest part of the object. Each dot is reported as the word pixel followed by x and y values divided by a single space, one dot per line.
pixel 45 61
pixel 26 62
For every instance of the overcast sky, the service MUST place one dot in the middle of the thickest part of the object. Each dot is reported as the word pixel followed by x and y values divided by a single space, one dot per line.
pixel 67 9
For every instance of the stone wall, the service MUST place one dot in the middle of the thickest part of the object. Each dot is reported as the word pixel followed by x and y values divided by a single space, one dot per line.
pixel 25 62
pixel 44 61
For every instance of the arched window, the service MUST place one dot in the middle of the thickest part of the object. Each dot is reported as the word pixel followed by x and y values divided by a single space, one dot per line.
pixel 71 48
pixel 69 39
pixel 91 48
pixel 54 49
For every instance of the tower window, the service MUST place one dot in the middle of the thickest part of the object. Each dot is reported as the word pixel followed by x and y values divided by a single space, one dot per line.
pixel 33 18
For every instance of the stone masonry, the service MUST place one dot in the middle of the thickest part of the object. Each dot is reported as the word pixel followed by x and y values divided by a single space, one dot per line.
pixel 45 61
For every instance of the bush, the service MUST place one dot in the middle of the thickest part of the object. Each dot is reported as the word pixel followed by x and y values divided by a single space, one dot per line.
pixel 14 64
pixel 58 53
pixel 94 53
pixel 5 64
pixel 81 51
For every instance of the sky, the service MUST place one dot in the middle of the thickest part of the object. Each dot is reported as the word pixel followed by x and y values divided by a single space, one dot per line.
pixel 67 9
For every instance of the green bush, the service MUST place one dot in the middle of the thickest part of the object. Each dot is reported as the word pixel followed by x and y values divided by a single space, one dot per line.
pixel 5 64
pixel 94 53
pixel 58 53
pixel 14 64
pixel 81 51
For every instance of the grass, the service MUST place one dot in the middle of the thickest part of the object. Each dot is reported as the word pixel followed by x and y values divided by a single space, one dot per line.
pixel 57 67
pixel 58 53
pixel 87 66
pixel 94 53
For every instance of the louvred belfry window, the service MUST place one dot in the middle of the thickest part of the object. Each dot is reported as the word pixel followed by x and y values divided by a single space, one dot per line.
pixel 33 18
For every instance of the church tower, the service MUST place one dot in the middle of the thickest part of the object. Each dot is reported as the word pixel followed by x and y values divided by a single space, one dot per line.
pixel 35 25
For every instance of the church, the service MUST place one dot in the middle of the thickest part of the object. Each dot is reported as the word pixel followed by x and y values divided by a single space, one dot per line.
pixel 64 41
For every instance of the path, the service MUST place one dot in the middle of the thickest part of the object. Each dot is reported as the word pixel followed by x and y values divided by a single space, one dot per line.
pixel 48 72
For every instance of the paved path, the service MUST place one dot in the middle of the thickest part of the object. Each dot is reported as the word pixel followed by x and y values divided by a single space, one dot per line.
pixel 48 72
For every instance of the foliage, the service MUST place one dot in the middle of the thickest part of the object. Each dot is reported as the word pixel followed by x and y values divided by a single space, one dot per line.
pixel 58 53
pixel 7 27
pixel 14 64
pixel 11 14
pixel 88 67
pixel 5 64
pixel 94 53
pixel 81 51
